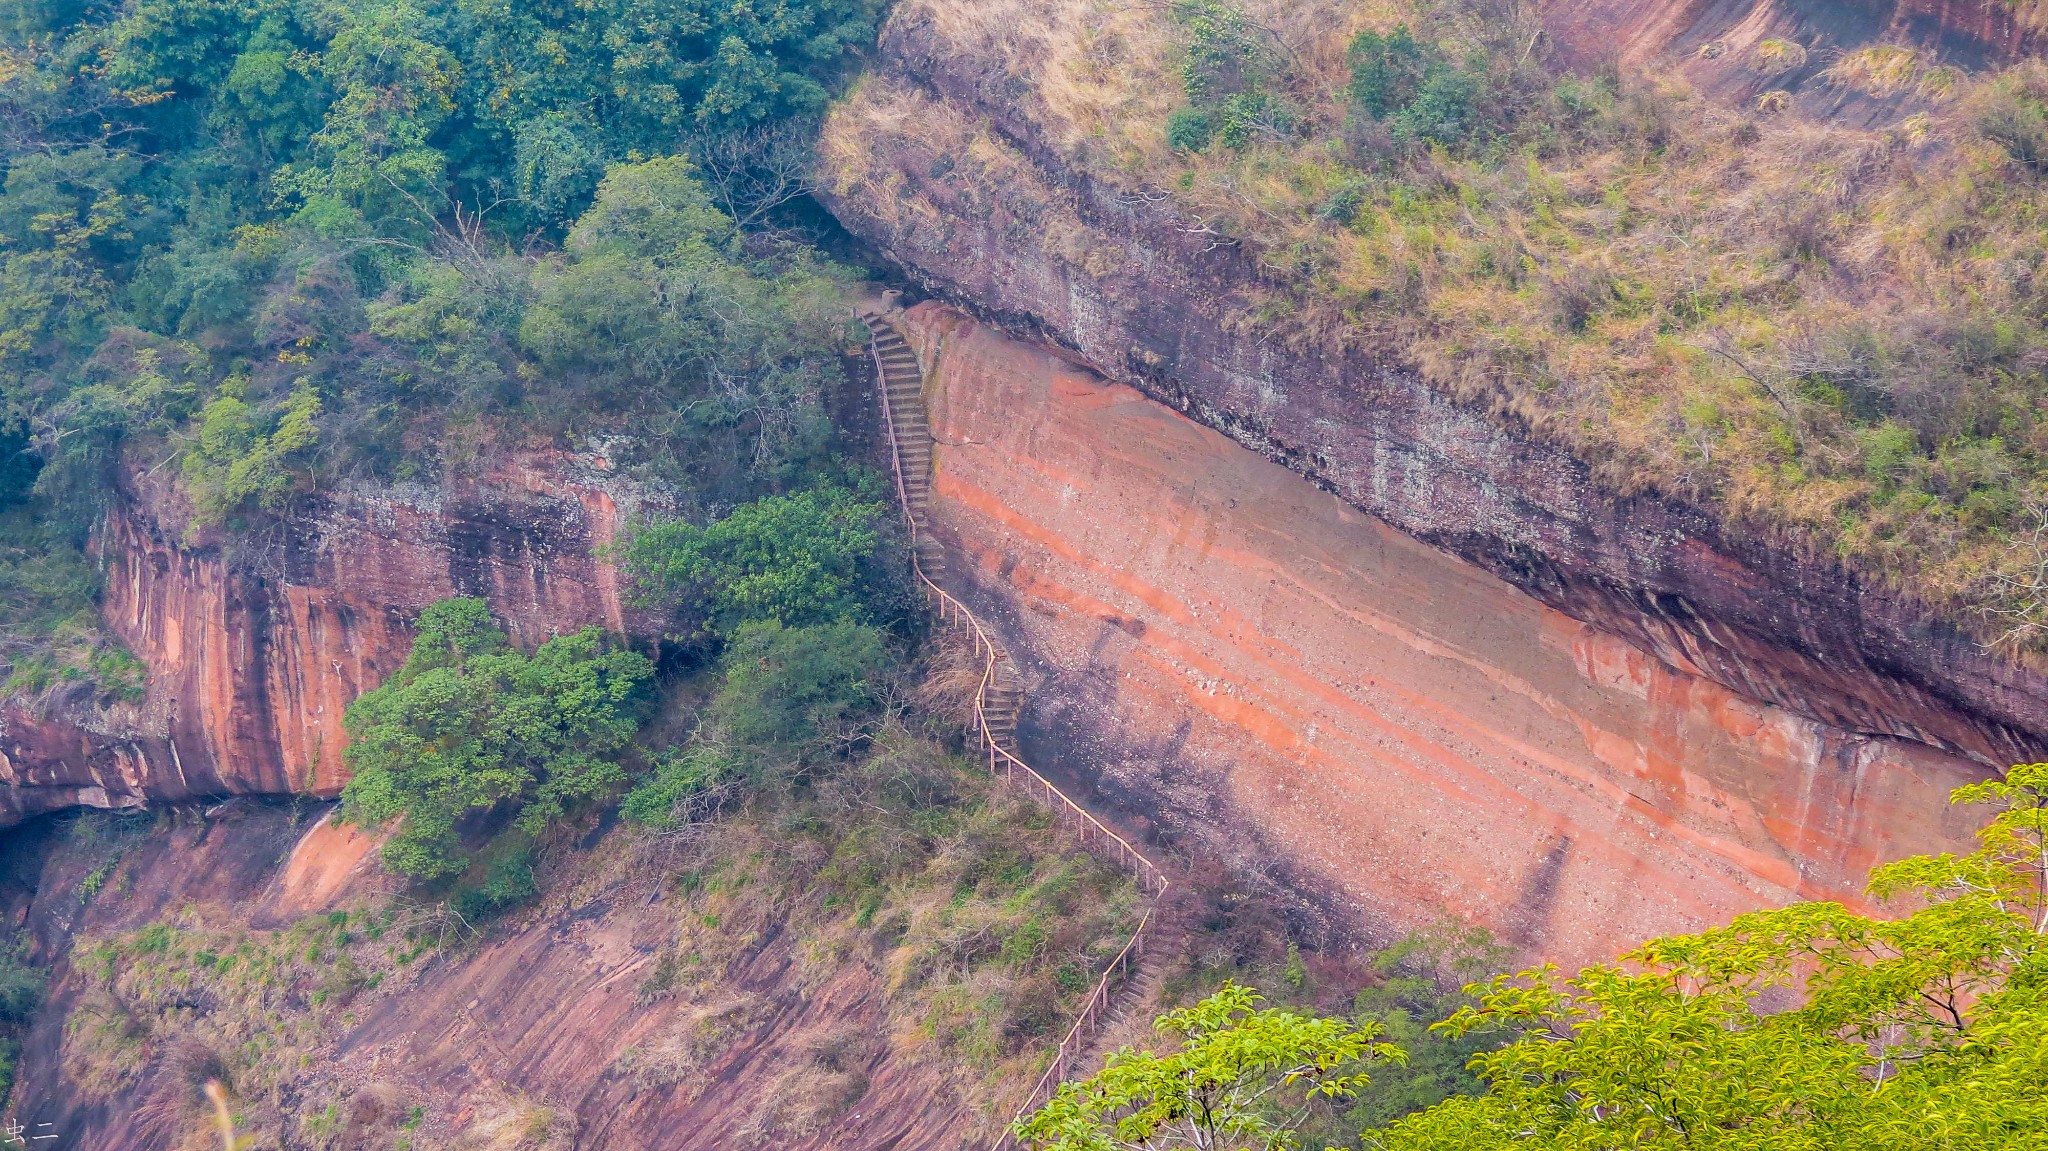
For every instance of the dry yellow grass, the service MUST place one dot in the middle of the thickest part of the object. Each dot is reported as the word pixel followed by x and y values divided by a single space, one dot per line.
pixel 1665 287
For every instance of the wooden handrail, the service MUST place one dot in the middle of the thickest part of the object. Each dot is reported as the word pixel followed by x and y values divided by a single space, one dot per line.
pixel 1150 877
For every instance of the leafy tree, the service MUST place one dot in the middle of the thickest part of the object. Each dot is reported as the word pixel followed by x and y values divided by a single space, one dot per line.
pixel 792 559
pixel 792 687
pixel 1230 74
pixel 1386 70
pixel 1241 1078
pixel 1411 87
pixel 469 724
pixel 234 463
pixel 1804 1027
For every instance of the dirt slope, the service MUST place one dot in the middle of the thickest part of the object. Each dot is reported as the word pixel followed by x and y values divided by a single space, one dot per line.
pixel 538 1036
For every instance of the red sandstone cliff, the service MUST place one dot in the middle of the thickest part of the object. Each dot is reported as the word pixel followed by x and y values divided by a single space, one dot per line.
pixel 254 657
pixel 977 174
pixel 1259 669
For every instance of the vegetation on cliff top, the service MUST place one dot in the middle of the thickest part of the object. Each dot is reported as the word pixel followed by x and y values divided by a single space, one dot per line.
pixel 265 245
pixel 1809 1026
pixel 1830 333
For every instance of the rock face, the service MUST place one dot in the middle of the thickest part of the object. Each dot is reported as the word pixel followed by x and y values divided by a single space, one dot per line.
pixel 963 171
pixel 1259 668
pixel 254 659
pixel 543 1016
pixel 1715 46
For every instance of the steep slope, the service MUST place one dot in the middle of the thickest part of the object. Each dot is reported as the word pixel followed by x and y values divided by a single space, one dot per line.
pixel 997 184
pixel 1265 672
pixel 255 654
pixel 724 991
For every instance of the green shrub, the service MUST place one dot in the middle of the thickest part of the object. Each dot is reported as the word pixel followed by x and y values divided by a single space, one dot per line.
pixel 1411 87
pixel 680 777
pixel 507 882
pixel 792 559
pixel 1189 130
pixel 1386 70
pixel 794 688
pixel 1231 76
pixel 469 724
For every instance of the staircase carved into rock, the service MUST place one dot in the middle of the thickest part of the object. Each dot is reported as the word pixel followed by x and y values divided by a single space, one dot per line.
pixel 999 699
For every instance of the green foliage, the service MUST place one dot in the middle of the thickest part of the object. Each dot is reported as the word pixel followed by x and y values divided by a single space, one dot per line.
pixel 507 882
pixel 680 777
pixel 236 461
pixel 1809 1026
pixel 1412 87
pixel 21 992
pixel 1189 130
pixel 291 241
pixel 796 688
pixel 1386 70
pixel 1408 999
pixel 470 724
pixel 1232 78
pixel 792 559
pixel 1241 1077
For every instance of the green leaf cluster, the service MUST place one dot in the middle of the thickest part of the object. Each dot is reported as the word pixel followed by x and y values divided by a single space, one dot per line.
pixel 1241 1077
pixel 1232 76
pixel 470 725
pixel 795 560
pixel 1411 87
pixel 1805 1027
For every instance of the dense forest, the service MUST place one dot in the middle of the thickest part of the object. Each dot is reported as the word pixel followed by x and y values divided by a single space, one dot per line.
pixel 279 245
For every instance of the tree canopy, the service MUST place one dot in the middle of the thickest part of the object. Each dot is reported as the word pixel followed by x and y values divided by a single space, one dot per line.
pixel 283 243
pixel 1810 1026
pixel 470 723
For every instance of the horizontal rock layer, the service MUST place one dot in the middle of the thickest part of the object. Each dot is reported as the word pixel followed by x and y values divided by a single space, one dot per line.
pixel 1263 670
pixel 253 659
pixel 943 160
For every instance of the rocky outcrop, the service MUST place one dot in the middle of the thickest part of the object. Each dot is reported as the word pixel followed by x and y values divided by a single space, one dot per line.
pixel 949 161
pixel 545 1020
pixel 1267 675
pixel 254 656
pixel 1716 45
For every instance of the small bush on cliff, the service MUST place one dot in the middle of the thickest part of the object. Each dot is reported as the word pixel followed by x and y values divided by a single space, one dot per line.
pixel 470 724
pixel 1810 1026
pixel 796 560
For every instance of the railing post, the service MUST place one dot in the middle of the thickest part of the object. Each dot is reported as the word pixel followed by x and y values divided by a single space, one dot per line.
pixel 953 613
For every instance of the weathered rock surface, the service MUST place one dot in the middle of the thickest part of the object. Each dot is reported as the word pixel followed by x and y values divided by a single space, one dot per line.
pixel 959 166
pixel 254 658
pixel 1715 46
pixel 542 1015
pixel 1253 664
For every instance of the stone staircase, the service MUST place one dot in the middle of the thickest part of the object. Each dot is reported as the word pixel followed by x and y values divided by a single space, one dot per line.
pixel 1134 978
pixel 910 435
